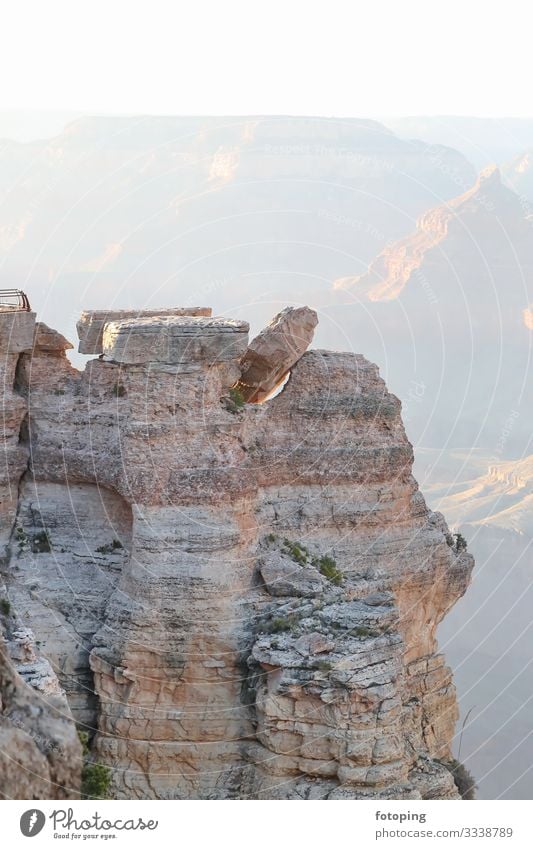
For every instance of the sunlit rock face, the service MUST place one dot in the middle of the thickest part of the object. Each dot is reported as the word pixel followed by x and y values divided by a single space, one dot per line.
pixel 274 351
pixel 258 589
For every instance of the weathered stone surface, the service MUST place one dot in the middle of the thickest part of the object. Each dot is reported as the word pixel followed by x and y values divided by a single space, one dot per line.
pixel 71 542
pixel 92 322
pixel 269 631
pixel 284 577
pixel 40 754
pixel 16 330
pixel 275 351
pixel 49 341
pixel 176 340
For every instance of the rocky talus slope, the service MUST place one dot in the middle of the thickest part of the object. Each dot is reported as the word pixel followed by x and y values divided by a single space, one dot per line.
pixel 239 599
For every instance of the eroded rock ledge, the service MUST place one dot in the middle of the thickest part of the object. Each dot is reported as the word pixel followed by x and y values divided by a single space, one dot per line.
pixel 239 600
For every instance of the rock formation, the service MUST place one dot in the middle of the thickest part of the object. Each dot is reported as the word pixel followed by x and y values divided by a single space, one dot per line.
pixel 92 322
pixel 40 755
pixel 274 351
pixel 240 600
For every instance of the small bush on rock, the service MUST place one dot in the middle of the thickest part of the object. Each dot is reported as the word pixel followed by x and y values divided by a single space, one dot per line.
pixel 460 543
pixel 361 631
pixel 95 778
pixel 296 551
pixel 328 567
pixel 280 623
pixel 110 547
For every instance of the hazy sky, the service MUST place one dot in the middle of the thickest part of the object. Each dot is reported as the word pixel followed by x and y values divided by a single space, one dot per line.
pixel 334 57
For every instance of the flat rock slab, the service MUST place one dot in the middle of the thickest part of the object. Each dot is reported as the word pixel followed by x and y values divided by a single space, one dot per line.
pixel 91 325
pixel 176 340
pixel 275 351
pixel 17 328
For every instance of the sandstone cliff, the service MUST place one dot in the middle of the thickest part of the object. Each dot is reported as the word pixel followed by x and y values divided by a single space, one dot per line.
pixel 239 600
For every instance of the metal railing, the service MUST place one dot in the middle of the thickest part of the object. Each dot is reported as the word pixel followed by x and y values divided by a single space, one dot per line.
pixel 14 299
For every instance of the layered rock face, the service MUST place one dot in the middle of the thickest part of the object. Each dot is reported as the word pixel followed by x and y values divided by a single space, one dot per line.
pixel 257 587
pixel 40 755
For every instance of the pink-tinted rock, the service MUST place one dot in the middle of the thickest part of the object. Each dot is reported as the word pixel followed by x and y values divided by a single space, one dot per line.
pixel 275 351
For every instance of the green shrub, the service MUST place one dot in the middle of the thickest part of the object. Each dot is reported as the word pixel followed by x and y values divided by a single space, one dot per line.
pixel 328 567
pixel 21 538
pixel 59 391
pixel 237 397
pixel 110 547
pixel 95 778
pixel 460 543
pixel 361 631
pixel 5 606
pixel 95 781
pixel 271 538
pixel 234 401
pixel 119 391
pixel 280 623
pixel 296 551
pixel 324 665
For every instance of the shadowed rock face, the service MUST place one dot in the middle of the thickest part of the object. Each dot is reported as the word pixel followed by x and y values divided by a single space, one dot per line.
pixel 268 627
pixel 40 754
pixel 274 352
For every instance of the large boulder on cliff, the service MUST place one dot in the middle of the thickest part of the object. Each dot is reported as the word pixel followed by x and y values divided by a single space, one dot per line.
pixel 275 351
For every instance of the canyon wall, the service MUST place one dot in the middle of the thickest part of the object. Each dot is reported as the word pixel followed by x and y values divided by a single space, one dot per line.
pixel 40 754
pixel 238 600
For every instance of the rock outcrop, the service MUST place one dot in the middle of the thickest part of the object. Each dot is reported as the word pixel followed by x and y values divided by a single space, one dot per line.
pixel 272 353
pixel 251 590
pixel 40 754
pixel 92 323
